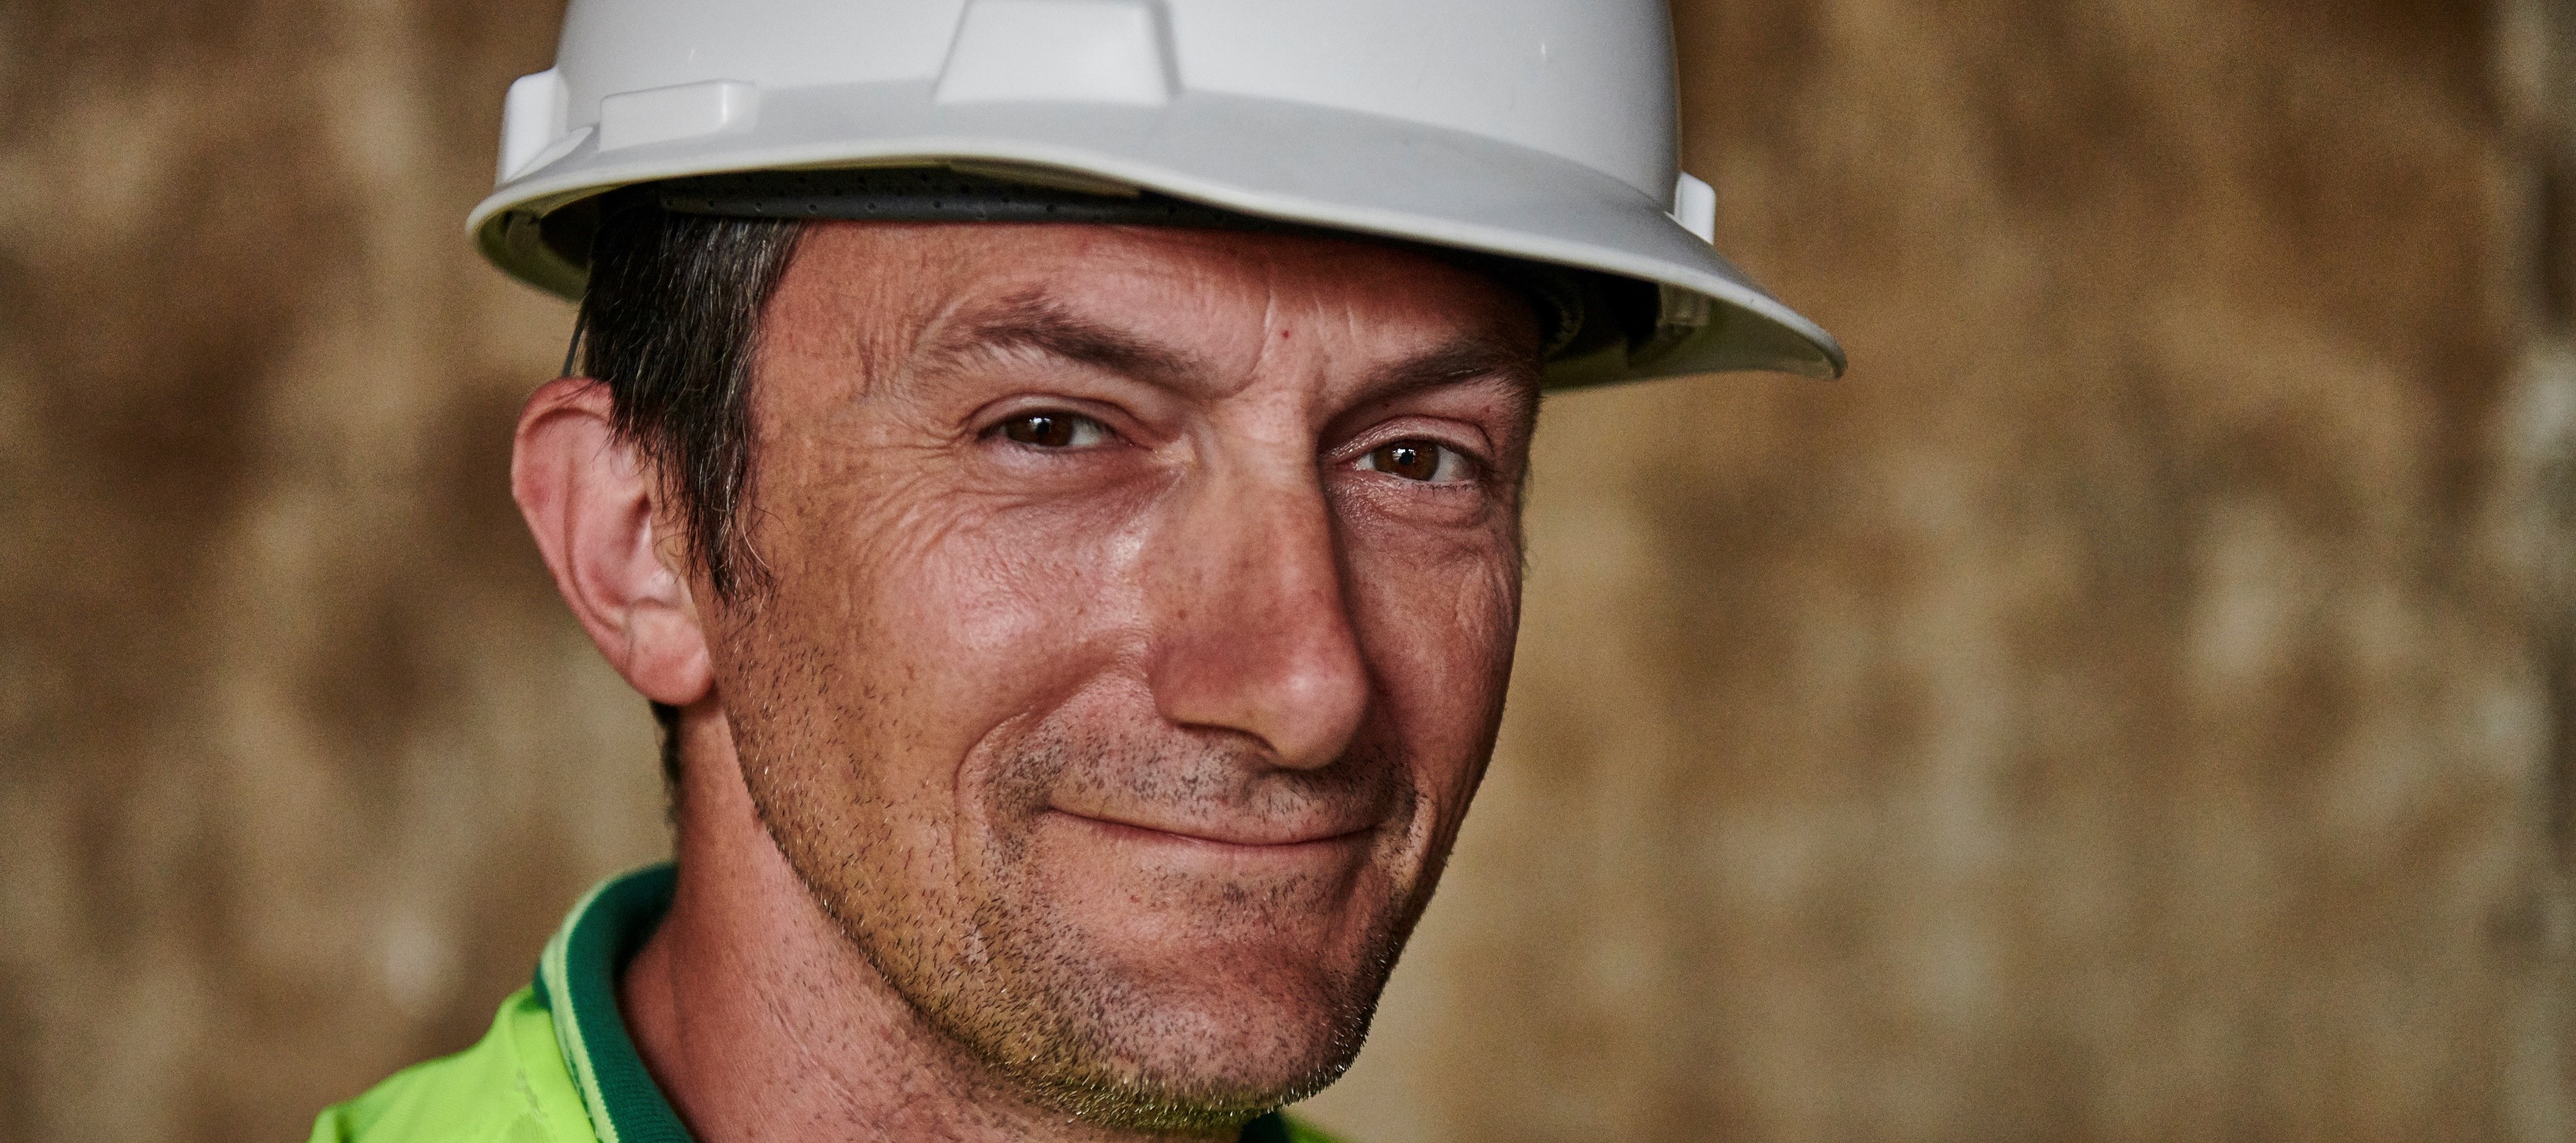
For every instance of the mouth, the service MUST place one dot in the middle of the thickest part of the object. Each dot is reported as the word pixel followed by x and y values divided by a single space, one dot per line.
pixel 1253 837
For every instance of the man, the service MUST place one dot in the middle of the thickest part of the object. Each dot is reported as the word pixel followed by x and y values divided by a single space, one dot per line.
pixel 1055 467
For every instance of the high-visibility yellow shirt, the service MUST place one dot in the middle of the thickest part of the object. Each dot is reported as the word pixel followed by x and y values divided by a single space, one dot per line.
pixel 557 1066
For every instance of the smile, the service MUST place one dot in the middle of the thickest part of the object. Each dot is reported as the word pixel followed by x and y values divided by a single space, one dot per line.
pixel 1250 836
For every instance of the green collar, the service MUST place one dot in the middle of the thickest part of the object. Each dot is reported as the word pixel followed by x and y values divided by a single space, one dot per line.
pixel 577 982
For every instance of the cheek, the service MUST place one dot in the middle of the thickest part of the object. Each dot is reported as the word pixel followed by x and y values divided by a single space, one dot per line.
pixel 907 624
pixel 1006 610
pixel 945 615
pixel 1437 616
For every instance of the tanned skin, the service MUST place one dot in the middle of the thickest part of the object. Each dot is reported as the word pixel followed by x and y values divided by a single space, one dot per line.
pixel 1134 616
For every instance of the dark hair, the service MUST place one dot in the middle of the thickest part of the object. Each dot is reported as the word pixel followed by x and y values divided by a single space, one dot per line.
pixel 670 322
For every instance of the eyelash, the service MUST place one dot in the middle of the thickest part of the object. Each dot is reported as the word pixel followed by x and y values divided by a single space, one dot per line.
pixel 1081 432
pixel 1450 465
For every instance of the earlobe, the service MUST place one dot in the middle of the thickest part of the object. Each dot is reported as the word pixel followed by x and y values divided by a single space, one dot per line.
pixel 590 503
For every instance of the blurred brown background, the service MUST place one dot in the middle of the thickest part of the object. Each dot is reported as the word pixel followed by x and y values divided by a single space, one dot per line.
pixel 2138 704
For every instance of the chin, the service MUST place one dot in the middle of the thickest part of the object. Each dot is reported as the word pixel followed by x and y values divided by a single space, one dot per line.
pixel 1179 1046
pixel 1200 1018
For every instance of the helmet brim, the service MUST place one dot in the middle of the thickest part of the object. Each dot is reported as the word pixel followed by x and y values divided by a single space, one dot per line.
pixel 1291 162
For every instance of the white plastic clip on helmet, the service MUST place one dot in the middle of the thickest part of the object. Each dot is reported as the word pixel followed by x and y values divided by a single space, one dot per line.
pixel 1539 130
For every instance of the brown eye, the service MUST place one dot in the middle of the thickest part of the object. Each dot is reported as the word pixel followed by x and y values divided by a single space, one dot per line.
pixel 1426 461
pixel 1054 430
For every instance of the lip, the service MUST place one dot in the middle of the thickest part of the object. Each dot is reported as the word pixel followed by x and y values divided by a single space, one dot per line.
pixel 1248 839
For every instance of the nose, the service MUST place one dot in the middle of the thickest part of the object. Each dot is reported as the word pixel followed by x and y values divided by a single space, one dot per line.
pixel 1254 634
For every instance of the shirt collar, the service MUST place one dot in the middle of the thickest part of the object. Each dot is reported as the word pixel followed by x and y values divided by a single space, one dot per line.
pixel 577 982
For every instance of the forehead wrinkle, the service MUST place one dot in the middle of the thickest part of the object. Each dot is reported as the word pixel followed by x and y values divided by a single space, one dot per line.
pixel 867 281
pixel 1033 321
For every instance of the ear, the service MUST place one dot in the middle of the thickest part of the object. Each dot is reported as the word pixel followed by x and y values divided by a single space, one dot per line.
pixel 588 499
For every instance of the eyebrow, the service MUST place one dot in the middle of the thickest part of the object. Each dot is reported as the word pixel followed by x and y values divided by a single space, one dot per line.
pixel 1465 359
pixel 1035 322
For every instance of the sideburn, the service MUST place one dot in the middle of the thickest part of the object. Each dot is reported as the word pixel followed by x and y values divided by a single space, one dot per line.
pixel 670 322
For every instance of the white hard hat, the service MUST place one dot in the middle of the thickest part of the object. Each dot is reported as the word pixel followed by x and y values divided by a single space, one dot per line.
pixel 1540 131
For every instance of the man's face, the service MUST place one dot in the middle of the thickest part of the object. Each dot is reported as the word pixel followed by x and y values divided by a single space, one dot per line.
pixel 1140 607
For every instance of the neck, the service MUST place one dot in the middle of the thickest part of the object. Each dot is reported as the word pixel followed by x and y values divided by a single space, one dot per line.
pixel 760 1020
